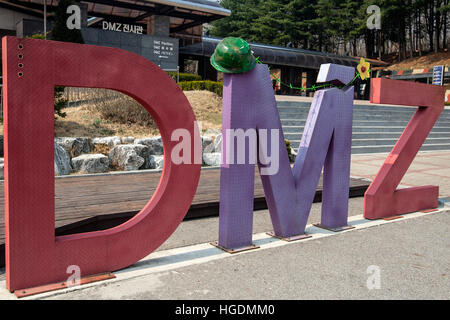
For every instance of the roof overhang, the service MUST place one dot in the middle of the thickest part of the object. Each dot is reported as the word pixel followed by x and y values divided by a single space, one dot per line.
pixel 185 13
pixel 275 55
pixel 195 5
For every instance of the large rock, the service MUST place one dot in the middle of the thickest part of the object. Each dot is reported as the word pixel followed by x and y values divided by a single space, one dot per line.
pixel 218 143
pixel 75 146
pixel 156 162
pixel 216 146
pixel 91 163
pixel 144 152
pixel 212 159
pixel 292 156
pixel 128 157
pixel 155 144
pixel 109 141
pixel 127 140
pixel 62 161
pixel 105 144
pixel 207 142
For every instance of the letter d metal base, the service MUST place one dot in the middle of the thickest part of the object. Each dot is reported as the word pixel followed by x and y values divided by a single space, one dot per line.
pixel 237 250
pixel 337 229
pixel 62 285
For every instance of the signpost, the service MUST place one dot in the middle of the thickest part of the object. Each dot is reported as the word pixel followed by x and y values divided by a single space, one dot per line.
pixel 438 75
pixel 162 51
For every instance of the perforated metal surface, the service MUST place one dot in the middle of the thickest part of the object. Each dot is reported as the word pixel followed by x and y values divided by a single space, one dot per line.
pixel 34 256
pixel 382 199
pixel 249 103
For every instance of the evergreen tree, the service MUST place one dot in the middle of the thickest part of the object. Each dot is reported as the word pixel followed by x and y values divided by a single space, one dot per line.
pixel 60 32
pixel 339 26
pixel 239 24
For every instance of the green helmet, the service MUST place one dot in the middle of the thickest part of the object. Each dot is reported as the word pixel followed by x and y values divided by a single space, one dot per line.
pixel 233 55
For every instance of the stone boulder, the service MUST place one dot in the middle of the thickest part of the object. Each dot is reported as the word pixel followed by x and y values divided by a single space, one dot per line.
pixel 155 144
pixel 292 156
pixel 207 142
pixel 109 141
pixel 75 146
pixel 156 162
pixel 216 146
pixel 144 152
pixel 105 144
pixel 129 157
pixel 127 140
pixel 62 161
pixel 91 163
pixel 212 159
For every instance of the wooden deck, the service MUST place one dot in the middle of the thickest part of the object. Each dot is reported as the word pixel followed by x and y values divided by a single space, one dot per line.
pixel 97 202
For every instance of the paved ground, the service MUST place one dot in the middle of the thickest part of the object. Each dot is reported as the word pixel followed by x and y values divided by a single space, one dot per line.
pixel 413 264
pixel 413 256
pixel 428 168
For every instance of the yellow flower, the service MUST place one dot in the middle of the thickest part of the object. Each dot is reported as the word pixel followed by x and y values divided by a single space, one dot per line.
pixel 364 69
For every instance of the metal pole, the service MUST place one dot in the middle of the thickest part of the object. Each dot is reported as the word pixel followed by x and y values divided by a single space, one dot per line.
pixel 45 19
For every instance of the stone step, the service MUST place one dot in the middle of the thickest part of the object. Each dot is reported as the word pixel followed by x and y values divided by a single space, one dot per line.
pixel 392 142
pixel 383 148
pixel 288 124
pixel 303 114
pixel 356 107
pixel 394 135
pixel 282 105
pixel 365 117
pixel 296 135
pixel 378 149
pixel 375 128
pixel 382 135
pixel 381 141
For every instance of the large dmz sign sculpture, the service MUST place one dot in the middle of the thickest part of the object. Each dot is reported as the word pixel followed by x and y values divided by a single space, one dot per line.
pixel 32 68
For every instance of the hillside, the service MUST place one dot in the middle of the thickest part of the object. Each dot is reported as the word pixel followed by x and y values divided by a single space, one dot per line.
pixel 86 120
pixel 427 61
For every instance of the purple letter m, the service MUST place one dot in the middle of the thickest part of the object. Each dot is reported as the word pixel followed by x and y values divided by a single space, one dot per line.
pixel 249 106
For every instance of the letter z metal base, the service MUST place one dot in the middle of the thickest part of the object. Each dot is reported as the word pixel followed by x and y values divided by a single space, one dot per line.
pixel 337 229
pixel 232 251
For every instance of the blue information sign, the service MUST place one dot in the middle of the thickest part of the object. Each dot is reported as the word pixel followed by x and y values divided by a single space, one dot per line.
pixel 438 75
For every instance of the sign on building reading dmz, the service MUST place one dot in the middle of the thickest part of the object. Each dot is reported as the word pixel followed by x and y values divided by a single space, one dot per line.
pixel 122 27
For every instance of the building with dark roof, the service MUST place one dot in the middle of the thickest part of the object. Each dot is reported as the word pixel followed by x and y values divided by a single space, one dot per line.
pixel 167 32
pixel 295 66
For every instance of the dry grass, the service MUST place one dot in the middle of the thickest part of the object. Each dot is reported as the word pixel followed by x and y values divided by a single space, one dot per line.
pixel 85 121
pixel 207 108
pixel 100 120
pixel 427 61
